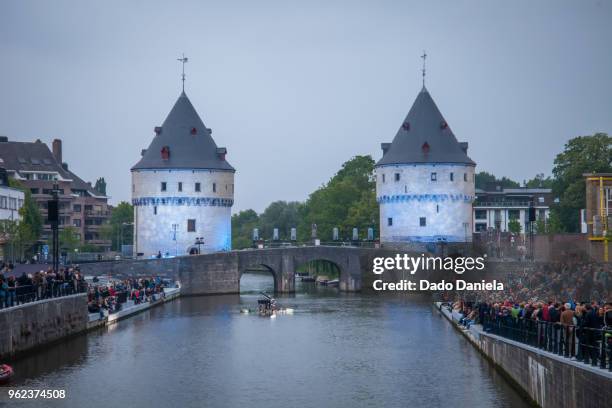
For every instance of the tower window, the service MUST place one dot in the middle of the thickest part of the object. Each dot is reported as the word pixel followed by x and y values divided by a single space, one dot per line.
pixel 437 208
pixel 198 187
pixel 397 177
pixel 154 210
pixel 180 186
pixel 214 187
pixel 434 176
pixel 423 222
pixel 464 176
pixel 452 176
pixel 390 222
pixel 383 177
pixel 163 186
pixel 191 225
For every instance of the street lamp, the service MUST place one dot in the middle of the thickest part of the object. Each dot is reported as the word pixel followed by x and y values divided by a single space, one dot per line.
pixel 199 241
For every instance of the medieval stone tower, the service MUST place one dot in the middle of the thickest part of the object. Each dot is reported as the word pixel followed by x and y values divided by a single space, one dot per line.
pixel 182 188
pixel 425 180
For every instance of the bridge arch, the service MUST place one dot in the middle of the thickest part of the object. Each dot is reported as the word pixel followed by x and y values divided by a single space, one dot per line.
pixel 246 268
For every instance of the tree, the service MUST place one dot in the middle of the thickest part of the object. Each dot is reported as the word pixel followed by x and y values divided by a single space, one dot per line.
pixel 68 239
pixel 483 178
pixel 282 215
pixel 242 228
pixel 582 154
pixel 539 181
pixel 514 226
pixel 27 232
pixel 348 200
pixel 119 228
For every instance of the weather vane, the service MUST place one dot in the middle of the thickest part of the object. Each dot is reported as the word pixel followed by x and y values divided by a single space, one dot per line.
pixel 424 56
pixel 183 60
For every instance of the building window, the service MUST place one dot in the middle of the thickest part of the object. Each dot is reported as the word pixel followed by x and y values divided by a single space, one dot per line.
pixel 76 208
pixel 180 186
pixel 480 214
pixel 214 187
pixel 434 176
pixel 541 200
pixel 390 222
pixel 452 176
pixel 480 227
pixel 198 187
pixel 397 177
pixel 133 188
pixel 191 226
pixel 422 222
pixel 383 177
pixel 163 186
pixel 464 176
pixel 76 223
pixel 154 210
pixel 437 208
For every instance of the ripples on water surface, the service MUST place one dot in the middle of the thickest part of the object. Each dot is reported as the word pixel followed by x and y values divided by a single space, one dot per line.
pixel 337 350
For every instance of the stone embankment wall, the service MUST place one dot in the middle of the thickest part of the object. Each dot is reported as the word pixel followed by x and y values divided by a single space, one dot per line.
pixel 549 380
pixel 35 324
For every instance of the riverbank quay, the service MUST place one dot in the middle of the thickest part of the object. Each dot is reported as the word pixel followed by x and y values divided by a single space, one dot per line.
pixel 31 326
pixel 129 308
pixel 547 379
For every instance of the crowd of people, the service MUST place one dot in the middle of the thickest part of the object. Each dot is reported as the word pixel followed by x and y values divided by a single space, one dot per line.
pixel 40 285
pixel 111 296
pixel 102 297
pixel 568 305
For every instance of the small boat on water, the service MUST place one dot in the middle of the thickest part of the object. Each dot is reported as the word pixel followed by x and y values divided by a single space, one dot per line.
pixel 333 282
pixel 6 372
pixel 308 279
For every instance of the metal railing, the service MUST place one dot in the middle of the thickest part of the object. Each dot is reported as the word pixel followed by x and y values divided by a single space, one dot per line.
pixel 589 345
pixel 20 295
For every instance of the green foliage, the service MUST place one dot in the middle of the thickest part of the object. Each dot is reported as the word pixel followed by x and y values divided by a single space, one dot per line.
pixel 348 200
pixel 539 181
pixel 27 232
pixel 242 228
pixel 68 239
pixel 119 228
pixel 583 154
pixel 483 178
pixel 514 226
pixel 282 215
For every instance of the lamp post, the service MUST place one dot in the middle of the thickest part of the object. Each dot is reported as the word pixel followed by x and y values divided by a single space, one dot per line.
pixel 199 241
pixel 124 224
pixel 174 230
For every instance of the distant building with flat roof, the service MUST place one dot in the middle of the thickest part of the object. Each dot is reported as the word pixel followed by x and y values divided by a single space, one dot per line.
pixel 495 206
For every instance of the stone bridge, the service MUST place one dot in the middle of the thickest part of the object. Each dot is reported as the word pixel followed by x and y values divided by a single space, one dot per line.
pixel 220 273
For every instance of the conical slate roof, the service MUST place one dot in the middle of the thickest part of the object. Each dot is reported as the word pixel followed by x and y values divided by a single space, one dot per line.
pixel 183 142
pixel 424 137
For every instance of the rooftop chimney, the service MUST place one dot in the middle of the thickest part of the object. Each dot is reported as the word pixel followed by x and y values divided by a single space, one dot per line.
pixel 57 150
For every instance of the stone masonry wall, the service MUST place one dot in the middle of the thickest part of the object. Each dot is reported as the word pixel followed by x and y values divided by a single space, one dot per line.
pixel 35 324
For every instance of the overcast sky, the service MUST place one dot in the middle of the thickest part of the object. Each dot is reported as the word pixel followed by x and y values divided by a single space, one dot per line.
pixel 295 88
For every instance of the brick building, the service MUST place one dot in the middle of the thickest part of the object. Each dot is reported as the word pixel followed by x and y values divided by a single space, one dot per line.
pixel 39 169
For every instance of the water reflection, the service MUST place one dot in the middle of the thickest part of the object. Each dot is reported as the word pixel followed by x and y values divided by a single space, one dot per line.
pixel 337 350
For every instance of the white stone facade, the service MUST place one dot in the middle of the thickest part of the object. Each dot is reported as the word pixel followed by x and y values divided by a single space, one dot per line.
pixel 11 200
pixel 425 202
pixel 156 211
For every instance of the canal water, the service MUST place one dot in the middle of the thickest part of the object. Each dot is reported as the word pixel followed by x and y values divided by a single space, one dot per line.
pixel 337 350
